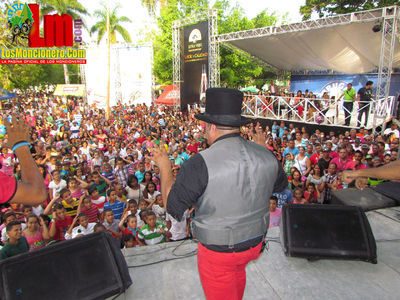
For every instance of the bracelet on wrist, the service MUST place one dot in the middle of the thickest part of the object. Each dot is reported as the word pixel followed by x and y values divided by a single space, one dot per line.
pixel 16 143
pixel 16 146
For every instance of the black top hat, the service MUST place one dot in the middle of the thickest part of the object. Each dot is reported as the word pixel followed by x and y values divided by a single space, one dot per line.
pixel 223 107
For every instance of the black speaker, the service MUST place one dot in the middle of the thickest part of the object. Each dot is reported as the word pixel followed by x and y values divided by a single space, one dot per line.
pixel 327 231
pixel 89 267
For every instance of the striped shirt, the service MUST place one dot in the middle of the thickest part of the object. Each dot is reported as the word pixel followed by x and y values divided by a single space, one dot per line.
pixel 70 209
pixel 152 237
pixel 110 176
pixel 92 213
pixel 117 208
pixel 122 174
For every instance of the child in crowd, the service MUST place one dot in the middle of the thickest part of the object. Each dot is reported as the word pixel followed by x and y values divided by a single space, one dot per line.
pixel 60 223
pixel 8 217
pixel 298 196
pixel 115 205
pixel 96 199
pixel 312 194
pixel 91 211
pixel 111 224
pixel 131 227
pixel 153 232
pixel 129 241
pixel 180 230
pixel 274 212
pixel 84 227
pixel 16 243
pixel 157 207
pixel 36 232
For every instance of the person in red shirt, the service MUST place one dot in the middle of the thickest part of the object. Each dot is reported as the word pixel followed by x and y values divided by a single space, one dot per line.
pixel 193 146
pixel 131 227
pixel 316 156
pixel 357 163
pixel 342 162
pixel 91 211
pixel 60 223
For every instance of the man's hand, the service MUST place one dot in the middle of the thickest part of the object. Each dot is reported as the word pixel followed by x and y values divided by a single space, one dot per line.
pixel 17 131
pixel 361 182
pixel 349 176
pixel 160 157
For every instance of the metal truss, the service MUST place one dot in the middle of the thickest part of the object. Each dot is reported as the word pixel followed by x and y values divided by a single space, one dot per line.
pixel 315 111
pixel 389 30
pixel 213 49
pixel 355 17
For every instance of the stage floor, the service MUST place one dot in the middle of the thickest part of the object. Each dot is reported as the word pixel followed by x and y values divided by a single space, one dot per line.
pixel 273 275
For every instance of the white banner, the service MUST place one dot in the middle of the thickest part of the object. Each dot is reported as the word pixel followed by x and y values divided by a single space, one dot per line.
pixel 130 78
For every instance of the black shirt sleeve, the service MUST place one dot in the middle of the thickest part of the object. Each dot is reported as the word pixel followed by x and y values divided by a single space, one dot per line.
pixel 189 186
pixel 281 182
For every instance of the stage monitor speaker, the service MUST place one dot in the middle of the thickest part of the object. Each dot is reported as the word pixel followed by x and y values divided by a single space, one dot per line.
pixel 89 267
pixel 327 231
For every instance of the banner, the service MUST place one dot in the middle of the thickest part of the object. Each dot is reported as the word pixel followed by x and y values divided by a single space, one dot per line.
pixel 336 84
pixel 195 64
pixel 130 78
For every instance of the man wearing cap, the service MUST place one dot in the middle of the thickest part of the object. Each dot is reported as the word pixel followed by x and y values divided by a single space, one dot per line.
pixel 325 159
pixel 229 184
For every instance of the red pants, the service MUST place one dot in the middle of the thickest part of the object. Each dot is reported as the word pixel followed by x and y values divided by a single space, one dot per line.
pixel 223 275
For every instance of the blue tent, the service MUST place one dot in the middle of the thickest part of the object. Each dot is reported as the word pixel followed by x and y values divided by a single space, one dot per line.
pixel 6 95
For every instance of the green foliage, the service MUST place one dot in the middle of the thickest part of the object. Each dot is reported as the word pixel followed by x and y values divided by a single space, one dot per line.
pixel 235 69
pixel 25 75
pixel 330 7
pixel 115 25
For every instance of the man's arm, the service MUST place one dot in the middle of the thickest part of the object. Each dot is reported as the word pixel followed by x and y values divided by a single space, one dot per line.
pixel 30 189
pixel 390 171
pixel 190 184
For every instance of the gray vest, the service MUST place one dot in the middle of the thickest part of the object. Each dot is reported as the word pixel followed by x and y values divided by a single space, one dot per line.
pixel 235 205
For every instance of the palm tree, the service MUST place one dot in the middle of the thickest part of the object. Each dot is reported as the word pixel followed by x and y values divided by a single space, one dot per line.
pixel 115 25
pixel 151 5
pixel 69 7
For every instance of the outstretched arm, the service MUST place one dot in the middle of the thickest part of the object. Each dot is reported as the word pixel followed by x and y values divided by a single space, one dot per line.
pixel 390 171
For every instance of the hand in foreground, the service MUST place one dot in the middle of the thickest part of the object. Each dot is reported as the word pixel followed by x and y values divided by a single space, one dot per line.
pixel 17 131
pixel 160 157
pixel 349 176
pixel 361 182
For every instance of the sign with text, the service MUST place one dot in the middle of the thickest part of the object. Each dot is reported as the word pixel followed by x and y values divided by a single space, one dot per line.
pixel 195 64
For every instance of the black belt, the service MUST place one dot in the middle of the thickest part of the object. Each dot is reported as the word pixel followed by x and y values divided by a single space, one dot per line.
pixel 240 247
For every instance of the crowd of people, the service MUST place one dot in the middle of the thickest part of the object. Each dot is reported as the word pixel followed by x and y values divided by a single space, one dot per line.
pixel 100 175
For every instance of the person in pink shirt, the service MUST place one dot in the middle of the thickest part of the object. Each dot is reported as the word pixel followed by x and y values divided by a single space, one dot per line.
pixel 342 161
pixel 357 163
pixel 274 212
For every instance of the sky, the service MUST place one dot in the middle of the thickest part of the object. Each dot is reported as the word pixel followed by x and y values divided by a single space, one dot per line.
pixel 141 20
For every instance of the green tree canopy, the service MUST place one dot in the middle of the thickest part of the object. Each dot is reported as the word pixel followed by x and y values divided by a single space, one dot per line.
pixel 115 25
pixel 326 8
pixel 236 70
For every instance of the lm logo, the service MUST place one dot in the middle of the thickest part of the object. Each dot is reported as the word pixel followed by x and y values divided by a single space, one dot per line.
pixel 58 30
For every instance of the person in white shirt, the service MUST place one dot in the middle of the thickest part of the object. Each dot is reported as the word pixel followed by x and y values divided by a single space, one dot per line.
pixel 179 230
pixel 393 129
pixel 84 227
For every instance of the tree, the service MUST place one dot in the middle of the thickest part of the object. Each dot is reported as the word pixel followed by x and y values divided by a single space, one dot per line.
pixel 23 76
pixel 331 7
pixel 115 25
pixel 235 70
pixel 69 7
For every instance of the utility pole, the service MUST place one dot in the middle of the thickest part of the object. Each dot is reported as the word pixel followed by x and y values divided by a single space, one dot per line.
pixel 108 60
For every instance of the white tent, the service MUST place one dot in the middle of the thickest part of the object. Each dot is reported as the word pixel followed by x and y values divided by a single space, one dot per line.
pixel 345 43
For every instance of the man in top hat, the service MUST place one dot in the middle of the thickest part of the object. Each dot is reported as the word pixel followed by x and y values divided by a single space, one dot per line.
pixel 230 185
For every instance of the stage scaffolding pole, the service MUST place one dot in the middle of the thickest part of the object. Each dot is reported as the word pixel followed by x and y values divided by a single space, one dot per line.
pixel 213 49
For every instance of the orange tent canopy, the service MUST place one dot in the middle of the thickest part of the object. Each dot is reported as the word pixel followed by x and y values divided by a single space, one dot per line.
pixel 168 96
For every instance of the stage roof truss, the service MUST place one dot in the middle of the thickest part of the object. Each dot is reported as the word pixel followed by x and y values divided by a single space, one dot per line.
pixel 362 16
